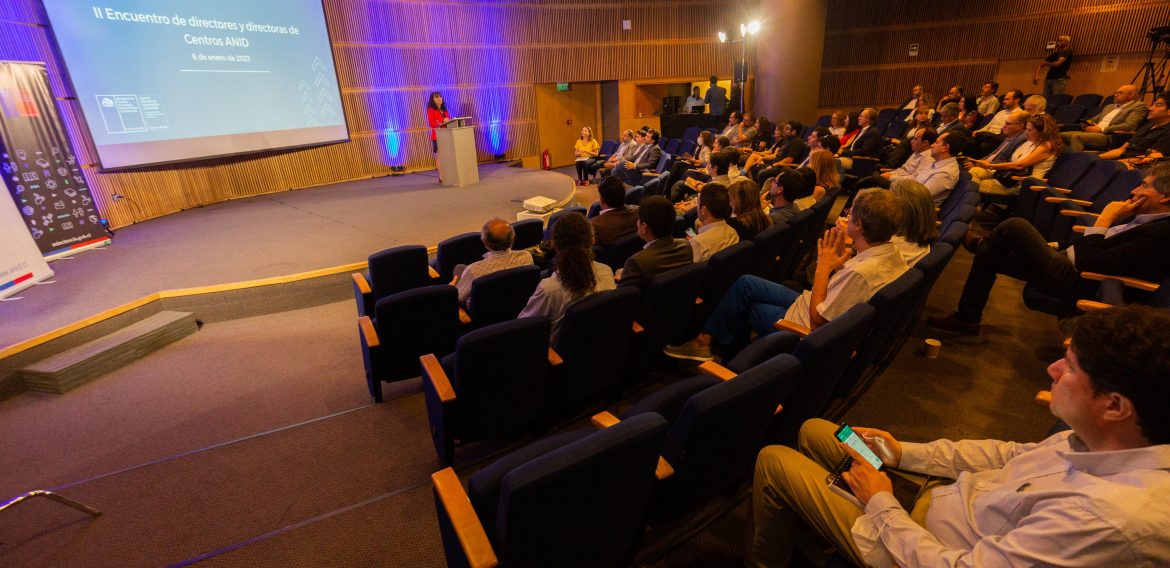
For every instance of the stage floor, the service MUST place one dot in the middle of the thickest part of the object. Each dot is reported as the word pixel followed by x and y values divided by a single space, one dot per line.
pixel 269 236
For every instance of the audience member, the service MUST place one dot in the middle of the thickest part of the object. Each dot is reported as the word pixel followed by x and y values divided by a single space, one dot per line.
pixel 1015 248
pixel 988 102
pixel 942 174
pixel 1036 105
pixel 1057 62
pixel 662 252
pixel 919 228
pixel 720 170
pixel 616 219
pixel 704 145
pixel 1032 158
pixel 821 139
pixel 624 151
pixel 497 236
pixel 733 120
pixel 644 159
pixel 1150 142
pixel 1093 495
pixel 954 96
pixel 783 192
pixel 828 176
pixel 911 103
pixel 746 132
pixel 756 303
pixel 839 123
pixel 1011 103
pixel 866 143
pixel 575 274
pixel 748 217
pixel 789 150
pixel 949 119
pixel 585 149
pixel 713 207
pixel 918 161
pixel 1124 114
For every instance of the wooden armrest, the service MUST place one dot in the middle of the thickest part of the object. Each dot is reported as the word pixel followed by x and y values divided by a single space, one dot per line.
pixel 779 409
pixel 1019 178
pixel 1079 228
pixel 1060 190
pixel 1091 305
pixel 432 371
pixel 1044 398
pixel 937 223
pixel 604 419
pixel 464 521
pixel 554 358
pixel 1080 202
pixel 434 274
pixel 363 286
pixel 1076 213
pixel 785 325
pixel 637 327
pixel 698 301
pixel 1129 282
pixel 663 470
pixel 866 158
pixel 716 370
pixel 650 174
pixel 1067 341
pixel 884 170
pixel 464 318
pixel 367 331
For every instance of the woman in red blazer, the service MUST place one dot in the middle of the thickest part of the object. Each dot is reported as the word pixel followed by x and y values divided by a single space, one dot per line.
pixel 436 114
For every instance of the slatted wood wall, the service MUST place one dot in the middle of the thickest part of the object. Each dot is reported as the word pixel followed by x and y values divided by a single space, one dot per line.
pixel 484 56
pixel 963 42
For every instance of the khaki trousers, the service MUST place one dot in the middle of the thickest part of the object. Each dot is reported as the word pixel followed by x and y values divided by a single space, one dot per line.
pixel 791 484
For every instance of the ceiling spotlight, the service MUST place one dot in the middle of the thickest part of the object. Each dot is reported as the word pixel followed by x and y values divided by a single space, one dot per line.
pixel 722 37
pixel 753 27
pixel 742 30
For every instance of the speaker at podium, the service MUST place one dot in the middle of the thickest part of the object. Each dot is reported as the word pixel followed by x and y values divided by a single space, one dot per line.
pixel 458 163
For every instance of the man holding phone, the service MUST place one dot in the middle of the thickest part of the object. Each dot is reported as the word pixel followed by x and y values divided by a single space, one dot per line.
pixel 1094 495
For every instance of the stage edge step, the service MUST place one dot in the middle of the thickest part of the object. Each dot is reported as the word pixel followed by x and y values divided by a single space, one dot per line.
pixel 75 367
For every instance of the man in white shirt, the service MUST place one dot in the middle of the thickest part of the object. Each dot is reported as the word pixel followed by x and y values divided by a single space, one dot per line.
pixel 987 102
pixel 624 151
pixel 1011 103
pixel 1091 496
pixel 841 281
pixel 941 175
pixel 714 207
pixel 919 161
pixel 1124 115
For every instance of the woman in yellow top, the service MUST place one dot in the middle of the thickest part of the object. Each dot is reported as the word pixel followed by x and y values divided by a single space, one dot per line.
pixel 585 149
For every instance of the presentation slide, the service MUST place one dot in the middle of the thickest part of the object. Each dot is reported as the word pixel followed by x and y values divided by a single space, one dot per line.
pixel 170 80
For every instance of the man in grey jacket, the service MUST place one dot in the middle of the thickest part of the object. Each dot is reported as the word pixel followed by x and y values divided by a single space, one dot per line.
pixel 1125 114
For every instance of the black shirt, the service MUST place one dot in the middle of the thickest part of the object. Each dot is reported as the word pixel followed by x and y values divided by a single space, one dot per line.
pixel 1147 138
pixel 1059 71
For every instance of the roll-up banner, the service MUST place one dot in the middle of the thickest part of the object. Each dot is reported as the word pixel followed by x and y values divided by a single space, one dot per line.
pixel 41 171
pixel 21 263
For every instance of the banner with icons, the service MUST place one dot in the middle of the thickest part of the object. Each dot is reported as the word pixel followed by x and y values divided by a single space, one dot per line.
pixel 39 166
pixel 21 263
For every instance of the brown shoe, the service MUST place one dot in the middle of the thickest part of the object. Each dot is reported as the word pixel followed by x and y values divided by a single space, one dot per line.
pixel 954 324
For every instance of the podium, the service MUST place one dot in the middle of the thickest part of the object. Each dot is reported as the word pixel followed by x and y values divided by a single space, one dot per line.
pixel 458 164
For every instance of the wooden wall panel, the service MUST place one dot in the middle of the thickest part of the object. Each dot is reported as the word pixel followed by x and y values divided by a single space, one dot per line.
pixel 958 41
pixel 390 54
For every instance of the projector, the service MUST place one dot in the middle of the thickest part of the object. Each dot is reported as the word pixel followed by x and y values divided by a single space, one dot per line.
pixel 539 204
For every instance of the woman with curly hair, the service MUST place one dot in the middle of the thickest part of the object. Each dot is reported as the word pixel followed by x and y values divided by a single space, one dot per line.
pixel 575 274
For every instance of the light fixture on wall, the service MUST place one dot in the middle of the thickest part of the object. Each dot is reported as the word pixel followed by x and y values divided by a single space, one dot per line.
pixel 722 37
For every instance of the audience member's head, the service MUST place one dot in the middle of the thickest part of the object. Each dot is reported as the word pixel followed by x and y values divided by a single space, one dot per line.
pixel 825 165
pixel 1124 94
pixel 922 116
pixel 744 195
pixel 868 117
pixel 497 234
pixel 809 177
pixel 923 139
pixel 714 203
pixel 990 88
pixel 627 135
pixel 840 119
pixel 1124 353
pixel 1158 110
pixel 706 139
pixel 1012 99
pixel 831 143
pixel 652 136
pixel 949 112
pixel 1154 192
pixel 792 128
pixel 721 142
pixel 721 161
pixel 918 216
pixel 655 217
pixel 612 192
pixel 948 145
pixel 573 240
pixel 1035 105
pixel 749 118
pixel 787 187
pixel 971 119
pixel 877 214
pixel 1042 130
pixel 733 117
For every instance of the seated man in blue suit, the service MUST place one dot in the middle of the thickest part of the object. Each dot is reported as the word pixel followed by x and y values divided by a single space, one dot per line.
pixel 644 159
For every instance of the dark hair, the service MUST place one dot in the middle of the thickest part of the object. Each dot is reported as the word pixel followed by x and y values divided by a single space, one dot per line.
pixel 706 138
pixel 955 141
pixel 1018 95
pixel 657 212
pixel 715 198
pixel 796 126
pixel 431 102
pixel 722 160
pixel 809 177
pixel 724 142
pixel 793 186
pixel 653 134
pixel 878 213
pixel 714 79
pixel 951 109
pixel 830 142
pixel 994 85
pixel 573 240
pixel 929 134
pixel 1126 350
pixel 612 191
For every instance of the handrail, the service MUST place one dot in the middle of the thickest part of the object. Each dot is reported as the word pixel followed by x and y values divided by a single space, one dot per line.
pixel 52 496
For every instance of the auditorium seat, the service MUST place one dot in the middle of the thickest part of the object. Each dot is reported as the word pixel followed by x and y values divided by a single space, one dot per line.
pixel 717 426
pixel 672 146
pixel 1085 212
pixel 391 271
pixel 889 304
pixel 768 245
pixel 1088 100
pixel 615 254
pixel 1096 180
pixel 576 499
pixel 529 233
pixel 1068 169
pixel 691 133
pixel 403 327
pixel 1069 116
pixel 494 385
pixel 723 269
pixel 956 227
pixel 1060 99
pixel 460 249
pixel 666 313
pixel 608 147
pixel 800 226
pixel 500 296
pixel 686 147
pixel 594 343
